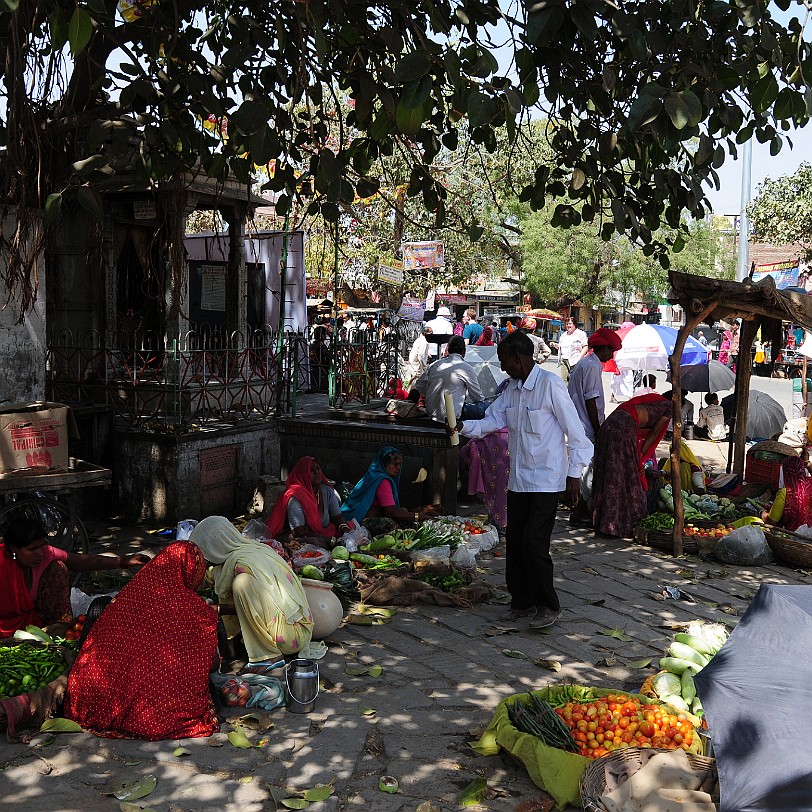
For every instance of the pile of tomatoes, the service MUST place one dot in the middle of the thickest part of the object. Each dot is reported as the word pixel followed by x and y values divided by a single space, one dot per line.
pixel 711 533
pixel 617 721
pixel 74 631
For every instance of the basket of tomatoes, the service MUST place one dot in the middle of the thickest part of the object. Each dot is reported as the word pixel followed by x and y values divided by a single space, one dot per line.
pixel 557 731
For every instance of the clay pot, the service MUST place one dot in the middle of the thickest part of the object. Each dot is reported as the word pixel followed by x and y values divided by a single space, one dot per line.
pixel 324 606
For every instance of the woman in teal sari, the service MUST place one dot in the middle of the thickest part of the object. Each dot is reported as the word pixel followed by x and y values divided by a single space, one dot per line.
pixel 376 493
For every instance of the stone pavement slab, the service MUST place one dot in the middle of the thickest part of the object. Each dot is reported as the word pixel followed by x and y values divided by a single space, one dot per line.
pixel 442 676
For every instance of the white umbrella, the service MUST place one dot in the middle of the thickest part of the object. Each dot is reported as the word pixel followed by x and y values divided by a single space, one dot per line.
pixel 647 347
pixel 488 368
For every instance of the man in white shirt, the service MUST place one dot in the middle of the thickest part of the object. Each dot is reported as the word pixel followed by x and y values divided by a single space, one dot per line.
pixel 418 356
pixel 711 424
pixel 572 347
pixel 548 451
pixel 586 380
pixel 451 374
pixel 440 325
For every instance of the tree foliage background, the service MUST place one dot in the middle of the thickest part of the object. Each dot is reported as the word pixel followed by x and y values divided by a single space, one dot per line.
pixel 87 86
pixel 781 211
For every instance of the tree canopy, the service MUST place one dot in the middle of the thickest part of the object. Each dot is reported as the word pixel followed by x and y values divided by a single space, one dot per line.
pixel 644 98
pixel 781 211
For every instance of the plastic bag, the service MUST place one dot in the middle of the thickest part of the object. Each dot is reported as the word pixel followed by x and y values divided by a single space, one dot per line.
pixel 464 556
pixel 436 555
pixel 257 530
pixel 310 554
pixel 184 530
pixel 357 537
pixel 252 690
pixel 744 546
pixel 80 602
pixel 804 530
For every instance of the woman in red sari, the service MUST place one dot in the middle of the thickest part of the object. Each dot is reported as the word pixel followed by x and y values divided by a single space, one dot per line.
pixel 627 439
pixel 793 503
pixel 309 506
pixel 35 577
pixel 143 671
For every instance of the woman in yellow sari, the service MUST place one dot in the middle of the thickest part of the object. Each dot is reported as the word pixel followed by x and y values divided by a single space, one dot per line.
pixel 691 474
pixel 257 585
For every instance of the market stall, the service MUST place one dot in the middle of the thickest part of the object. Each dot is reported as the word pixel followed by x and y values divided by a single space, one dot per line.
pixel 759 305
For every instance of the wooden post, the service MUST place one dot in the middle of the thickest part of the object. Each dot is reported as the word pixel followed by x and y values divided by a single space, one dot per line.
pixel 748 333
pixel 674 362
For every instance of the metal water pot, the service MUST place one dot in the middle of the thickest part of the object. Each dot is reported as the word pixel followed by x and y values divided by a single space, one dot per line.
pixel 302 684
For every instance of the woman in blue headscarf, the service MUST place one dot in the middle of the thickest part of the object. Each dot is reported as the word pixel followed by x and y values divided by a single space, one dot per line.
pixel 376 493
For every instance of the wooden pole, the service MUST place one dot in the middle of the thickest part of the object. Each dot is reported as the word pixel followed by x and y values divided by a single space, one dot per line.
pixel 674 362
pixel 748 333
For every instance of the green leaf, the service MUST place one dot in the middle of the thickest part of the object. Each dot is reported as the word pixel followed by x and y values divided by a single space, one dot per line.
pixel 550 665
pixel 388 783
pixel 645 108
pixel 409 120
pixel 239 739
pixel 181 751
pixel 133 790
pixel 637 664
pixel 416 93
pixel 87 165
pixel 60 726
pixel 90 200
pixel 58 25
pixel 375 671
pixel 474 792
pixel 516 655
pixel 618 634
pixel 295 803
pixel 356 670
pixel 414 65
pixel 250 117
pixel 764 93
pixel 53 206
pixel 367 711
pixel 684 109
pixel 80 29
pixel 481 108
pixel 319 793
pixel 12 5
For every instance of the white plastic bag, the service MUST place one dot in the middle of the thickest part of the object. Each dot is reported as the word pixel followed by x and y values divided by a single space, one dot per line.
pixel 80 602
pixel 744 546
pixel 184 529
pixel 436 555
pixel 464 556
pixel 257 530
pixel 357 537
pixel 804 530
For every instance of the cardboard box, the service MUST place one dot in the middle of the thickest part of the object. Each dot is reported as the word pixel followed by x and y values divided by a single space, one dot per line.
pixel 35 435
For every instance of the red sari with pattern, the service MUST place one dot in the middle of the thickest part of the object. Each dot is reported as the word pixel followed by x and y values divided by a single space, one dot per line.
pixel 143 671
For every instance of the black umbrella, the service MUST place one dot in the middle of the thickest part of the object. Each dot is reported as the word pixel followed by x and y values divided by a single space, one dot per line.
pixel 756 693
pixel 710 377
pixel 765 415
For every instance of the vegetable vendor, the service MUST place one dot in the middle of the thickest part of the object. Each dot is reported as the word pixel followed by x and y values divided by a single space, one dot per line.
pixel 691 476
pixel 143 672
pixel 257 585
pixel 308 507
pixel 35 576
pixel 792 506
pixel 625 444
pixel 376 493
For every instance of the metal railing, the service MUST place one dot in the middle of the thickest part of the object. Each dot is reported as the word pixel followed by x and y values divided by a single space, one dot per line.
pixel 208 376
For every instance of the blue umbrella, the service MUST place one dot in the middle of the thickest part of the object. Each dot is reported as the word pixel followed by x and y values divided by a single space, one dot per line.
pixel 646 348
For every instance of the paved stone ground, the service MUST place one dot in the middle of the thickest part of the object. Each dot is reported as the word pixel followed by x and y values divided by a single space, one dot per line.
pixel 442 676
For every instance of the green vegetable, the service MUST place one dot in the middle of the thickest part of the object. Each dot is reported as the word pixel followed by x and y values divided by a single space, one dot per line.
pixel 309 571
pixel 688 688
pixel 666 683
pixel 340 553
pixel 696 643
pixel 677 666
pixel 378 545
pixel 363 558
pixel 676 702
pixel 696 707
pixel 539 719
pixel 683 652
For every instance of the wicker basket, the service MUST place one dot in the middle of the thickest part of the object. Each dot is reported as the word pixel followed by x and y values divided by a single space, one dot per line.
pixel 663 541
pixel 593 779
pixel 789 547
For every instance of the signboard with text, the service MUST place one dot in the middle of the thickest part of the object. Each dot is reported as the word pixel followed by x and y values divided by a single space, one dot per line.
pixel 390 275
pixel 423 255
pixel 785 274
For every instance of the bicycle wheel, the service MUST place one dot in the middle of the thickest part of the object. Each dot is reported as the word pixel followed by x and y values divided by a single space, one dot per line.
pixel 61 529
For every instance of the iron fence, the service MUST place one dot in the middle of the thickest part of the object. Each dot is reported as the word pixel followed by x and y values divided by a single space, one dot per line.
pixel 208 376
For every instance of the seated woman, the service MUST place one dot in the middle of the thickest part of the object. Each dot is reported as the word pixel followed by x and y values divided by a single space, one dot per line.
pixel 308 508
pixel 691 474
pixel 35 577
pixel 259 587
pixel 143 672
pixel 376 494
pixel 793 503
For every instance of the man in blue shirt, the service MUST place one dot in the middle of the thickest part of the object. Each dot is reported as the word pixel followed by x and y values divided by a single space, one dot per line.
pixel 472 330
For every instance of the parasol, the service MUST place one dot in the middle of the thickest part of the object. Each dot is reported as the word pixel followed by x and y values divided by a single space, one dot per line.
pixel 755 693
pixel 487 367
pixel 610 365
pixel 765 415
pixel 543 313
pixel 646 348
pixel 710 377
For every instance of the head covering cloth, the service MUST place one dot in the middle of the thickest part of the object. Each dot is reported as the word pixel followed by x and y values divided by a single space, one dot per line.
pixel 360 500
pixel 605 338
pixel 299 486
pixel 798 504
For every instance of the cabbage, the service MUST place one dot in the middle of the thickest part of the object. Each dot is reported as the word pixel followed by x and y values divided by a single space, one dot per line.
pixel 667 684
